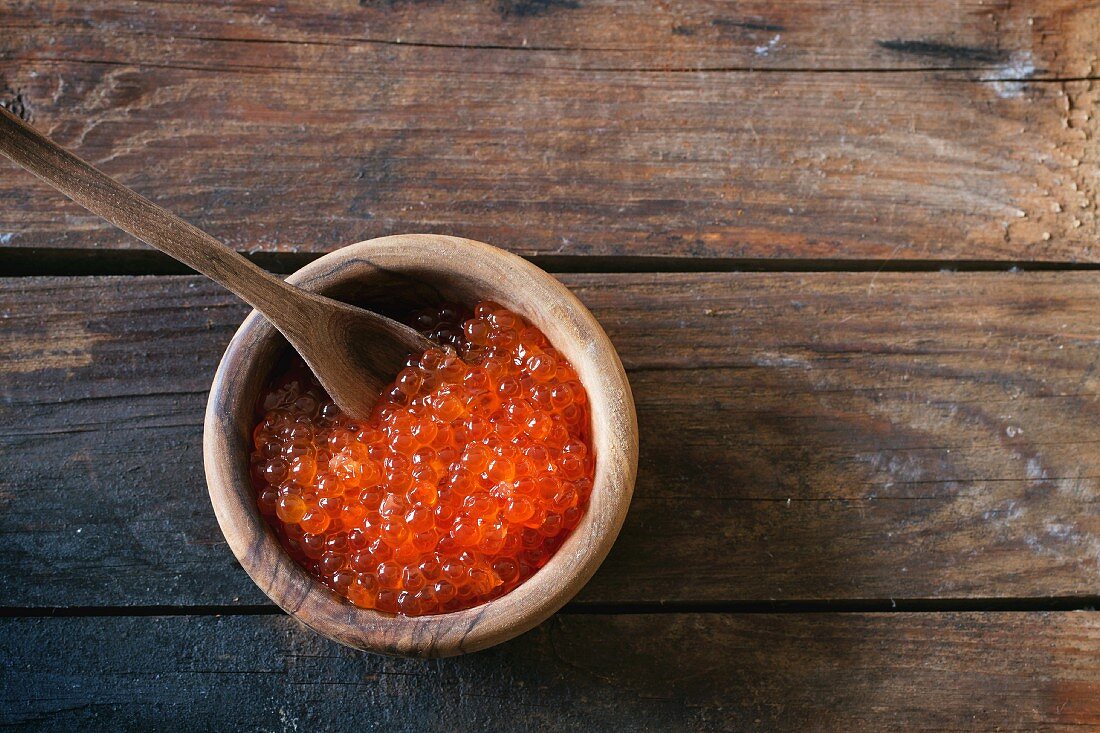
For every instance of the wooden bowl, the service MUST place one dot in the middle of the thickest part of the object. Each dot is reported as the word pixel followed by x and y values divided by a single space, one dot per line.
pixel 394 274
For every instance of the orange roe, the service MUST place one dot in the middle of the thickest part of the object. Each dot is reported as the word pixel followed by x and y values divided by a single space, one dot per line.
pixel 474 468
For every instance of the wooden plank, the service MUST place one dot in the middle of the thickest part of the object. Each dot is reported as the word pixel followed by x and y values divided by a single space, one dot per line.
pixel 310 127
pixel 1003 671
pixel 816 436
pixel 812 34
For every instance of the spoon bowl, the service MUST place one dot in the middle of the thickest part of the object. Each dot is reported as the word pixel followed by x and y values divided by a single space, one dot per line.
pixel 400 273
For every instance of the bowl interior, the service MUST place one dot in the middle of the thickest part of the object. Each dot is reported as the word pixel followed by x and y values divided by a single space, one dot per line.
pixel 394 275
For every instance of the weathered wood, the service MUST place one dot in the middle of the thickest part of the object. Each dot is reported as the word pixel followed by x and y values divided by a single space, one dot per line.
pixel 812 34
pixel 817 436
pixel 307 127
pixel 1001 671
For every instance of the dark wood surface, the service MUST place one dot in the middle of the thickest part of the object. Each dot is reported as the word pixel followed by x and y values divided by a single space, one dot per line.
pixel 813 436
pixel 910 131
pixel 868 488
pixel 710 672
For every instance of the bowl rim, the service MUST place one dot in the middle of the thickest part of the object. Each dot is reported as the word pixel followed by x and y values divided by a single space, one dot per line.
pixel 227 432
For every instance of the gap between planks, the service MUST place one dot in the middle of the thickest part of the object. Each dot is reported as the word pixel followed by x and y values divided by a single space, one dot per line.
pixel 870 605
pixel 36 262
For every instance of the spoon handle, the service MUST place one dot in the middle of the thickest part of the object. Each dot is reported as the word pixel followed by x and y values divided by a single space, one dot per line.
pixel 133 213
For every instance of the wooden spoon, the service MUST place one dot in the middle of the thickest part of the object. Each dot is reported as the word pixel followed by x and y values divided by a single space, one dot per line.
pixel 353 352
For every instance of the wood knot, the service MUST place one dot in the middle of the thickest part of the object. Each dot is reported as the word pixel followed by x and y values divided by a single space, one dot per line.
pixel 14 102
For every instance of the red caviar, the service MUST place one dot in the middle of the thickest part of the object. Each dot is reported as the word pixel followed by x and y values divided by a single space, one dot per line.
pixel 474 468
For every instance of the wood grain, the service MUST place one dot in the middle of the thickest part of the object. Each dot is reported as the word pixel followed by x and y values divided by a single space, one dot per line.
pixel 950 131
pixel 714 672
pixel 813 34
pixel 815 436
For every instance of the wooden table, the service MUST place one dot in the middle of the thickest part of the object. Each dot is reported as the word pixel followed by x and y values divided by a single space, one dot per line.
pixel 849 254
